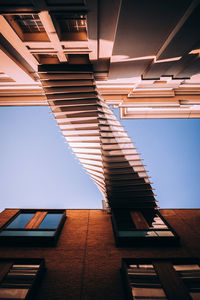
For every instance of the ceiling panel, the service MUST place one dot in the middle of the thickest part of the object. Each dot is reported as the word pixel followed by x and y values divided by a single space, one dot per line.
pixel 128 69
pixel 187 38
pixel 145 25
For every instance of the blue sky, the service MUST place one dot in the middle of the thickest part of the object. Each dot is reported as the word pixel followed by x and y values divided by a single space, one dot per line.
pixel 37 169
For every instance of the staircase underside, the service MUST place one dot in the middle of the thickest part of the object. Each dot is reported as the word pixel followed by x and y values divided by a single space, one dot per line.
pixel 96 136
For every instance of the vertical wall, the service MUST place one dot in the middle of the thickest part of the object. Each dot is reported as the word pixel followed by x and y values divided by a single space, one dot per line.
pixel 85 264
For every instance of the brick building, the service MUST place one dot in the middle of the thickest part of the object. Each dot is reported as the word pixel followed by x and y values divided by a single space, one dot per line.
pixel 79 57
pixel 85 263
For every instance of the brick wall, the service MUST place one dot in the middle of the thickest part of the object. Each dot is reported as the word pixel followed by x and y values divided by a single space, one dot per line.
pixel 85 264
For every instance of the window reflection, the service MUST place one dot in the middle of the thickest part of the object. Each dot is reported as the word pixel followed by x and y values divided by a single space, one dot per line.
pixel 51 221
pixel 21 220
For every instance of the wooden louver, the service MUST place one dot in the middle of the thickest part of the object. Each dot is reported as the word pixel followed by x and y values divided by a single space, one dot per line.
pixel 96 136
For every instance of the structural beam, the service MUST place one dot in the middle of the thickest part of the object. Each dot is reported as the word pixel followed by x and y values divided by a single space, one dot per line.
pixel 52 34
pixel 10 35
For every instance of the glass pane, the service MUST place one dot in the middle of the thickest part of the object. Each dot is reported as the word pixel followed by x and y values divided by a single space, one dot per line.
pixel 21 220
pixel 139 233
pixel 51 221
pixel 26 233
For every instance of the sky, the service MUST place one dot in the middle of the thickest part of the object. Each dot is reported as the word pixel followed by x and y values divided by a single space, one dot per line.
pixel 39 170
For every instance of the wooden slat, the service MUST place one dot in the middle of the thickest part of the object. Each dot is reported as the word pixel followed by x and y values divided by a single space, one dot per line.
pixel 65 76
pixel 139 220
pixel 36 220
pixel 71 89
pixel 76 95
pixel 57 83
pixel 4 268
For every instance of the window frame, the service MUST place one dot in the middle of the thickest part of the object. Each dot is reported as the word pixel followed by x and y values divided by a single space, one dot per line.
pixel 33 240
pixel 24 35
pixel 66 35
pixel 164 283
pixel 131 241
pixel 7 264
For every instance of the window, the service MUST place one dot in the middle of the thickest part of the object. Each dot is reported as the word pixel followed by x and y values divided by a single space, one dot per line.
pixel 20 278
pixel 29 23
pixel 28 27
pixel 136 227
pixel 71 26
pixel 73 23
pixel 176 278
pixel 33 227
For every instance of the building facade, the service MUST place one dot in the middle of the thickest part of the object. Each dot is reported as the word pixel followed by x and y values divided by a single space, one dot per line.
pixel 145 55
pixel 85 263
pixel 79 57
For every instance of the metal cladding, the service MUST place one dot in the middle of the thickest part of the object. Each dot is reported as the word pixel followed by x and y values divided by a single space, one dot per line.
pixel 96 136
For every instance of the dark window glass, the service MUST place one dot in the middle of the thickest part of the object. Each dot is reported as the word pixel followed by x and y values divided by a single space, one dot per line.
pixel 51 221
pixel 39 233
pixel 29 23
pixel 21 220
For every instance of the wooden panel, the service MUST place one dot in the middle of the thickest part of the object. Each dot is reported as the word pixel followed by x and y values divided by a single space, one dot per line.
pixel 6 215
pixel 172 284
pixel 139 220
pixel 36 220
pixel 4 268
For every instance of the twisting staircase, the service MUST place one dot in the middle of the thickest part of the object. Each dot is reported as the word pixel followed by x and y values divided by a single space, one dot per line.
pixel 96 136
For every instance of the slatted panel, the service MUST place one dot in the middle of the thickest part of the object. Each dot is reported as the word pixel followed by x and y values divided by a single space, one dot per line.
pixel 4 268
pixel 96 136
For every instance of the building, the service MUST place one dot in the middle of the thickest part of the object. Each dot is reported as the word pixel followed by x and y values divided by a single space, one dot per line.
pixel 148 69
pixel 86 264
pixel 145 61
pixel 79 57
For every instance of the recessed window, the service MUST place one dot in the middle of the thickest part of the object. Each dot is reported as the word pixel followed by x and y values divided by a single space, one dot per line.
pixel 136 227
pixel 176 278
pixel 71 26
pixel 20 277
pixel 73 23
pixel 28 27
pixel 32 227
pixel 29 23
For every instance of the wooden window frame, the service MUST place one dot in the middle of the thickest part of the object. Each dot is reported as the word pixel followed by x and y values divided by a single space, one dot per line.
pixel 7 240
pixel 171 282
pixel 156 240
pixel 7 263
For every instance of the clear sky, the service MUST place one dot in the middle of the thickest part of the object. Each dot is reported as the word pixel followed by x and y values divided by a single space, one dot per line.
pixel 37 169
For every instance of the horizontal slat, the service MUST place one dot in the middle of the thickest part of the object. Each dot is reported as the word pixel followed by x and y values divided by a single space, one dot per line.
pixel 75 95
pixel 71 89
pixel 70 83
pixel 45 76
